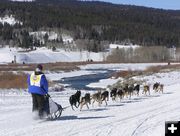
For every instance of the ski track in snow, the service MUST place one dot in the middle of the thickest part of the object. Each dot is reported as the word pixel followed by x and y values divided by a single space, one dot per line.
pixel 139 116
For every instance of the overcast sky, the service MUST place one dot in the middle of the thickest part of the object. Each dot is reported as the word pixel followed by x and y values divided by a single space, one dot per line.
pixel 165 4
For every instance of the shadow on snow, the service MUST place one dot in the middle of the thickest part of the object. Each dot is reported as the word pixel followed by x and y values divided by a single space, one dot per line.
pixel 81 118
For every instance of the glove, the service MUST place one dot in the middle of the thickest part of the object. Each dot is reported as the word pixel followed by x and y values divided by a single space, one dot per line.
pixel 46 96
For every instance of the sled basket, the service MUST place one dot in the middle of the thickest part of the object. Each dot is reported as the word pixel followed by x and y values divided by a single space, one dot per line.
pixel 55 110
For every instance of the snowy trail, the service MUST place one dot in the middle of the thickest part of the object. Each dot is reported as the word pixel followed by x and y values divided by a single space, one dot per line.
pixel 140 116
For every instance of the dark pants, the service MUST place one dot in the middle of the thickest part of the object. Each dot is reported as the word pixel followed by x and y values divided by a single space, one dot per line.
pixel 40 104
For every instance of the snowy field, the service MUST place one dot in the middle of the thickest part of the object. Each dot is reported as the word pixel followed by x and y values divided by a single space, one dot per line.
pixel 44 55
pixel 138 116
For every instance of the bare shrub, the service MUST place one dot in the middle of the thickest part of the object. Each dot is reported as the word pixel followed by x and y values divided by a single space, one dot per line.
pixel 153 69
pixel 141 54
pixel 152 54
pixel 127 73
pixel 117 55
pixel 156 69
pixel 10 80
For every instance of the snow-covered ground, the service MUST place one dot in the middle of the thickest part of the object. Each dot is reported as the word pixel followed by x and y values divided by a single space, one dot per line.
pixel 138 116
pixel 122 46
pixel 44 55
pixel 39 35
pixel 10 20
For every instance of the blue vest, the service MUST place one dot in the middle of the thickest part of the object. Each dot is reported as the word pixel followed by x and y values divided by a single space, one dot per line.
pixel 37 84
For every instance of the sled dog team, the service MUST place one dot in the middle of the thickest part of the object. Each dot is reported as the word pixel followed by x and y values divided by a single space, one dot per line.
pixel 127 91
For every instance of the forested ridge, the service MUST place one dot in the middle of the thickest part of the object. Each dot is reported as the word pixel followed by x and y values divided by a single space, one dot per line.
pixel 98 21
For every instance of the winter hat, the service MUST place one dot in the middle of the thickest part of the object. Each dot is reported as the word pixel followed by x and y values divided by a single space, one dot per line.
pixel 39 68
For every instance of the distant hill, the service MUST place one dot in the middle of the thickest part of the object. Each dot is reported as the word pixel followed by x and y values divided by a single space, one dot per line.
pixel 98 21
pixel 22 0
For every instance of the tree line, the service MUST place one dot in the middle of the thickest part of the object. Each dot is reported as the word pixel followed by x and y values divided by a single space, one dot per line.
pixel 141 54
pixel 97 21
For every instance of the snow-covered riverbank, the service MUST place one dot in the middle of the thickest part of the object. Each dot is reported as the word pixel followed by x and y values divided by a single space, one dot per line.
pixel 140 116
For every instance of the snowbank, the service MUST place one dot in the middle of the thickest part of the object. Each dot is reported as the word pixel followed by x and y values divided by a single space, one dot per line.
pixel 10 20
pixel 115 46
pixel 44 55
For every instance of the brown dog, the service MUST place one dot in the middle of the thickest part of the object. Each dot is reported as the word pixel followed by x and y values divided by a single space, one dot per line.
pixel 85 100
pixel 146 89
pixel 96 97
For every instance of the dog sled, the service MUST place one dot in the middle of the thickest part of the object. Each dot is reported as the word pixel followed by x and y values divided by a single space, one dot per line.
pixel 55 110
